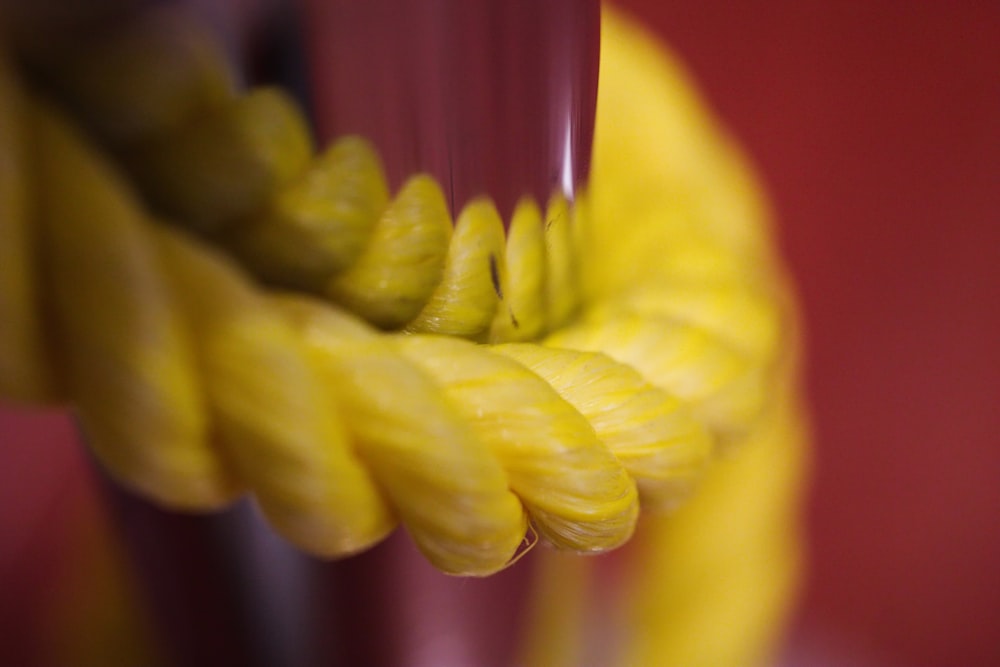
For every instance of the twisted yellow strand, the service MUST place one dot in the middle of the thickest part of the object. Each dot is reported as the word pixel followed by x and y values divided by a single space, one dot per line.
pixel 195 385
pixel 238 171
pixel 711 584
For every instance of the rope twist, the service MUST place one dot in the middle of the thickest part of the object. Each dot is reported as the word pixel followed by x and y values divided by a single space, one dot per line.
pixel 354 391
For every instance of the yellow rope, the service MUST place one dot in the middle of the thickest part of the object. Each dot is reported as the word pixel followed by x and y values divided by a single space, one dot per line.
pixel 193 384
pixel 711 584
pixel 196 384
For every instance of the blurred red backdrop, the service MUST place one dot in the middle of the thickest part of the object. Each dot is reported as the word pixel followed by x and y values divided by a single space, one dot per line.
pixel 875 125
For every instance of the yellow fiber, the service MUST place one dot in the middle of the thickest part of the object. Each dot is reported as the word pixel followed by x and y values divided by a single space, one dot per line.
pixel 726 563
pixel 403 262
pixel 318 225
pixel 561 293
pixel 663 448
pixel 663 171
pixel 719 384
pixel 225 164
pixel 274 417
pixel 745 317
pixel 652 317
pixel 24 373
pixel 446 486
pixel 128 363
pixel 465 301
pixel 578 495
pixel 522 315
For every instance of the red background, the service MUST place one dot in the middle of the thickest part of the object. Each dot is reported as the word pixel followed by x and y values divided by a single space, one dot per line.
pixel 877 128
